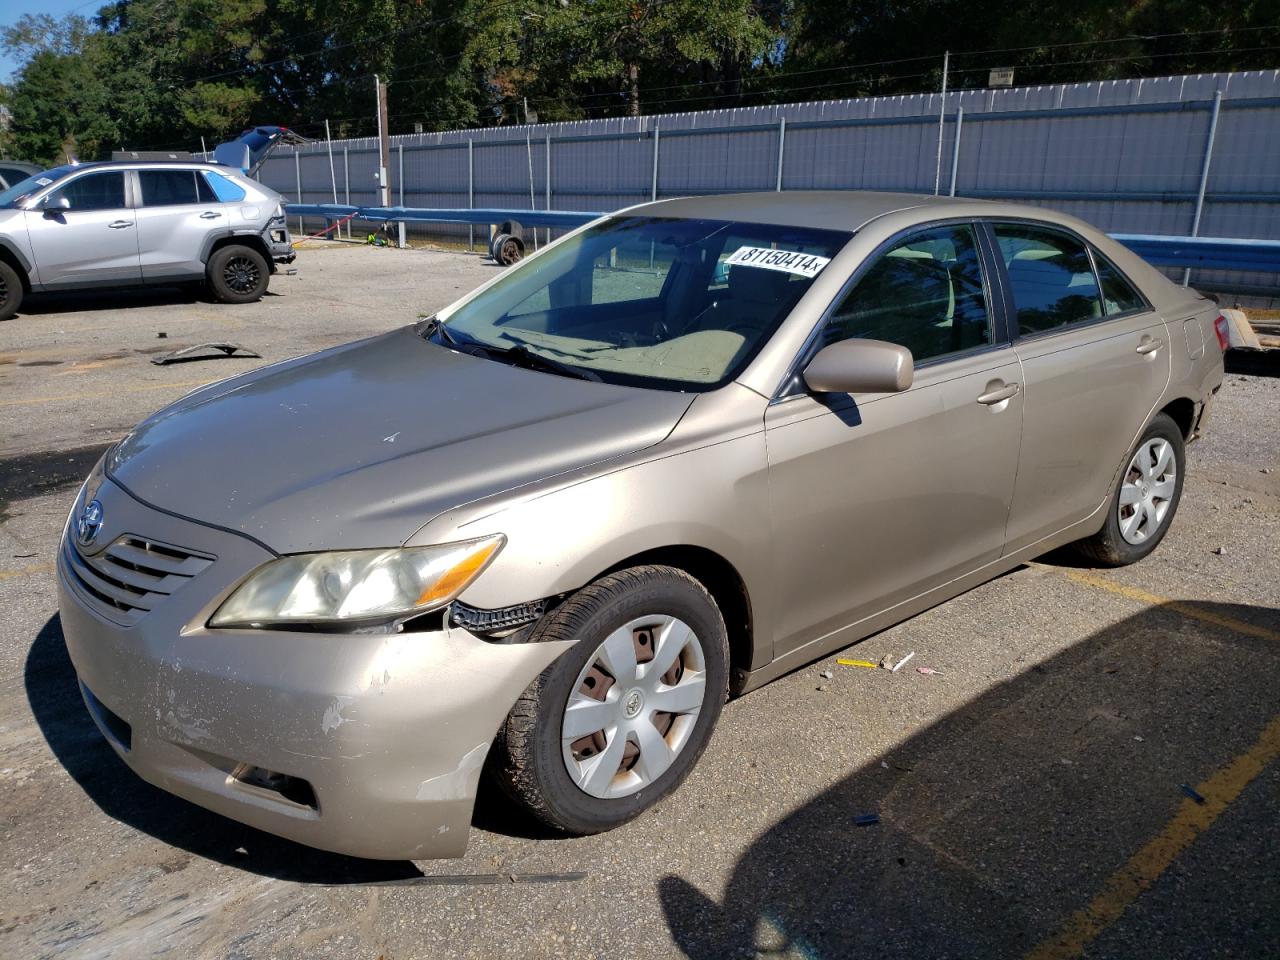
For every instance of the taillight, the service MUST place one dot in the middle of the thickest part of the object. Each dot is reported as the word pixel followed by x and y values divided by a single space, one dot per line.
pixel 1222 327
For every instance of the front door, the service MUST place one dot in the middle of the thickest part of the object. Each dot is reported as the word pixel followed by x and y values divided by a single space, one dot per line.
pixel 1095 362
pixel 93 241
pixel 878 498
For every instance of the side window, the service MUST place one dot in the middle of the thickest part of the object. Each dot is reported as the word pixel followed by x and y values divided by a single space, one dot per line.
pixel 1118 295
pixel 1050 275
pixel 167 188
pixel 224 188
pixel 93 191
pixel 925 294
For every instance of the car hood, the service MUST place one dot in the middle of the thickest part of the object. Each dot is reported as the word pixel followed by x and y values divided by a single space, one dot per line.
pixel 361 445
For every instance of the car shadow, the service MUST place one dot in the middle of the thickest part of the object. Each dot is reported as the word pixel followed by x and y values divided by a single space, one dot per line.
pixel 55 702
pixel 69 301
pixel 1001 819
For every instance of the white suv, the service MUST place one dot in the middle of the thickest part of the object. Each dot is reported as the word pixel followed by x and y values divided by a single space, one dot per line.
pixel 92 225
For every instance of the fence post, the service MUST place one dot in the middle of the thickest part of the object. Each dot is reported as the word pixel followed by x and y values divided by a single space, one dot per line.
pixel 400 181
pixel 782 143
pixel 333 177
pixel 471 192
pixel 942 121
pixel 297 170
pixel 955 149
pixel 1204 174
pixel 653 189
pixel 346 184
pixel 547 232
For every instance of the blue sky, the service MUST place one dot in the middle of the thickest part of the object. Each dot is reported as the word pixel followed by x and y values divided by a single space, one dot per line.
pixel 11 10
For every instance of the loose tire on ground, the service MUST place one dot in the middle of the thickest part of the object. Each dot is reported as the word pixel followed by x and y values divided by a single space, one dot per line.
pixel 506 249
pixel 1150 490
pixel 10 291
pixel 535 749
pixel 238 274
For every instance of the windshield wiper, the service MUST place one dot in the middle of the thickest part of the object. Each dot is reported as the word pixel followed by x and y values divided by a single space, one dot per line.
pixel 525 357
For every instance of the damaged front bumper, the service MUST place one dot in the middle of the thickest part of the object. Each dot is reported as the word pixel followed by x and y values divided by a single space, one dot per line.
pixel 364 744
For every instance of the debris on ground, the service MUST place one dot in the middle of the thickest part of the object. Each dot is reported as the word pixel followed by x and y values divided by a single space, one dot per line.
pixel 898 666
pixel 866 819
pixel 886 662
pixel 826 674
pixel 866 664
pixel 211 351
pixel 929 671
pixel 1190 792
pixel 1219 551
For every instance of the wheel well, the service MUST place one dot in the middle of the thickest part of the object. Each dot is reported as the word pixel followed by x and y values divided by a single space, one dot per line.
pixel 8 257
pixel 724 584
pixel 1183 412
pixel 241 240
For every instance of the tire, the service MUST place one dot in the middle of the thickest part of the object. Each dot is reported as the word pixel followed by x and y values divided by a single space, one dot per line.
pixel 10 291
pixel 1122 541
pixel 533 754
pixel 238 274
pixel 506 249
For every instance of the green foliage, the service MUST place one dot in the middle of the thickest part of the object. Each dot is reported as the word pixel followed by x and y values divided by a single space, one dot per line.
pixel 155 74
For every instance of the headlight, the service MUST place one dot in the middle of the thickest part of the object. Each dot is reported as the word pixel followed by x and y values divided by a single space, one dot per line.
pixel 353 585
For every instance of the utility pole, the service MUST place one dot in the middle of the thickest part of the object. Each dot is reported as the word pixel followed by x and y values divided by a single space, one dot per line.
pixel 942 122
pixel 384 144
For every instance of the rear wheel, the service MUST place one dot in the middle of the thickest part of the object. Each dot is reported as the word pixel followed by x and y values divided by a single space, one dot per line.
pixel 10 291
pixel 618 721
pixel 238 274
pixel 1145 499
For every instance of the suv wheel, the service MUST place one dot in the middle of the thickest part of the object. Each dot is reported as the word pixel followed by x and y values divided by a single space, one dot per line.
pixel 238 274
pixel 1145 499
pixel 10 291
pixel 618 721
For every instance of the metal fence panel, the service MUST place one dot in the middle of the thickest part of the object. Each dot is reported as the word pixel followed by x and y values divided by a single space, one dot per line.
pixel 1126 155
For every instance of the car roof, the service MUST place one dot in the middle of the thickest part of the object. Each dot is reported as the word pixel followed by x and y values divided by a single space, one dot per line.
pixel 126 164
pixel 820 209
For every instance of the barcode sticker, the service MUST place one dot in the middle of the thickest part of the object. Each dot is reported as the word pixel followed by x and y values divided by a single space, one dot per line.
pixel 788 261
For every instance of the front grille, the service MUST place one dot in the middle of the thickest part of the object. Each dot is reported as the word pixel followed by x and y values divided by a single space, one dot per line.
pixel 132 575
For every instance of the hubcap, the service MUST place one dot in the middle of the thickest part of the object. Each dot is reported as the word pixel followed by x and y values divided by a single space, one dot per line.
pixel 633 707
pixel 1147 490
pixel 241 274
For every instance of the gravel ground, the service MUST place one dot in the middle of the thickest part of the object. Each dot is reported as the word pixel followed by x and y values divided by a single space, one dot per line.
pixel 1037 775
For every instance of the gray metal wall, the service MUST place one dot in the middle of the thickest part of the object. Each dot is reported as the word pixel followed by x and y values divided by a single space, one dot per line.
pixel 1126 155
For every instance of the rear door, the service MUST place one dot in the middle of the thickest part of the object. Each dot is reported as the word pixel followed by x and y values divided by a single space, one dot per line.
pixel 177 213
pixel 94 241
pixel 877 498
pixel 1095 361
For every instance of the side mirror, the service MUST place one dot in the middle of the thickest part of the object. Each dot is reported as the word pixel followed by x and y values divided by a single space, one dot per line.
pixel 56 207
pixel 860 366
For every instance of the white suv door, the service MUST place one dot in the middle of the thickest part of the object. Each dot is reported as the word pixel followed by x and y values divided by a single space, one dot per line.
pixel 176 213
pixel 93 240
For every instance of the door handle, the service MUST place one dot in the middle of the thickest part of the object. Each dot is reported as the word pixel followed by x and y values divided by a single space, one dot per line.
pixel 999 394
pixel 120 224
pixel 209 215
pixel 1149 345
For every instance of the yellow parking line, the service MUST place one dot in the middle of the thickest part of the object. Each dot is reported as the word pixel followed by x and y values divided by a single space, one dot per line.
pixel 1124 886
pixel 26 571
pixel 1186 609
pixel 33 401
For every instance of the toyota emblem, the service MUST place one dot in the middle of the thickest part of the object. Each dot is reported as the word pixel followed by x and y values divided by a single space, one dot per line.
pixel 89 523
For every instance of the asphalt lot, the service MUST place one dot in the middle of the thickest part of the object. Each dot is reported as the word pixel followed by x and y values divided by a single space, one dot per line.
pixel 1029 794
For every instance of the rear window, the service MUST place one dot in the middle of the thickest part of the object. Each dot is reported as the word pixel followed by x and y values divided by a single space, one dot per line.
pixel 1051 277
pixel 162 188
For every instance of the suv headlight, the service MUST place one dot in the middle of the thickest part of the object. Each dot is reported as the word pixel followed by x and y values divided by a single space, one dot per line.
pixel 354 585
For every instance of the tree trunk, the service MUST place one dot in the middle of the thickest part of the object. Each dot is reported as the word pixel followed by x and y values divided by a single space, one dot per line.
pixel 633 89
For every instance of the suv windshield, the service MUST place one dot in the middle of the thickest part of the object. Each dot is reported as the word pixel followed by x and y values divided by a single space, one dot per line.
pixel 37 181
pixel 676 304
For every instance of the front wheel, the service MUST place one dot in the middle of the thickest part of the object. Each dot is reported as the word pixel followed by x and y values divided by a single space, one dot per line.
pixel 10 291
pixel 618 721
pixel 238 274
pixel 1145 499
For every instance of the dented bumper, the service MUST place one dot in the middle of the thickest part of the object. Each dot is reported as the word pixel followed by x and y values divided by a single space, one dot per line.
pixel 366 744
